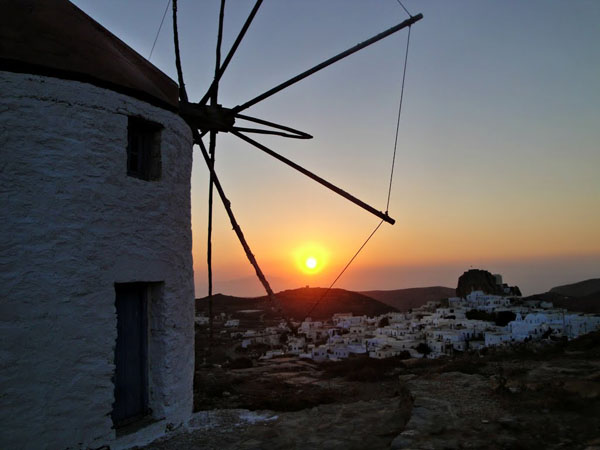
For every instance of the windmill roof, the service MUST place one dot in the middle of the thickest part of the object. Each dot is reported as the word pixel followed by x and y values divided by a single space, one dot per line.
pixel 55 38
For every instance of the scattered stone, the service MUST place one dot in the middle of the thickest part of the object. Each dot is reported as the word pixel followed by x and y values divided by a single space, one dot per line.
pixel 497 383
pixel 509 423
pixel 583 388
pixel 407 377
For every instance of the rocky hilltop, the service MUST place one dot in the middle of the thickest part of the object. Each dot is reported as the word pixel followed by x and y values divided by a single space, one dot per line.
pixel 482 280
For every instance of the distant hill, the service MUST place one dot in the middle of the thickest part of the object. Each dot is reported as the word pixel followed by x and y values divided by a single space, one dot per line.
pixel 581 289
pixel 405 299
pixel 581 297
pixel 297 303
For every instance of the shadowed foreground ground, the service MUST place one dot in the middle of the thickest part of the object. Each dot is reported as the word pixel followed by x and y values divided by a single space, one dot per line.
pixel 533 397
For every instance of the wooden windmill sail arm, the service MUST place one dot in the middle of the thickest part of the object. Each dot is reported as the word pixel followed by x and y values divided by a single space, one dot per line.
pixel 294 133
pixel 212 148
pixel 214 93
pixel 232 219
pixel 297 78
pixel 238 231
pixel 214 85
pixel 182 92
pixel 271 132
pixel 317 178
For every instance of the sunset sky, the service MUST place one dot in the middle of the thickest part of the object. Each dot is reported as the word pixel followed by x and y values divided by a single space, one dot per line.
pixel 498 157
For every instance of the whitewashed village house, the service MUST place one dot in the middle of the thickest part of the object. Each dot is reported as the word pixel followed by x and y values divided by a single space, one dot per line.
pixel 96 280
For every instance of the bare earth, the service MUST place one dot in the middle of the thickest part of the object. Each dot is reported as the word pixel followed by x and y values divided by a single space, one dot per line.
pixel 536 397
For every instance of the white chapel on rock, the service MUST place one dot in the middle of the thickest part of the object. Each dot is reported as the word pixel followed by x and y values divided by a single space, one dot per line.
pixel 96 283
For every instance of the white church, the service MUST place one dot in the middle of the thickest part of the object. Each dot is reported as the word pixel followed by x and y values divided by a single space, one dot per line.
pixel 96 283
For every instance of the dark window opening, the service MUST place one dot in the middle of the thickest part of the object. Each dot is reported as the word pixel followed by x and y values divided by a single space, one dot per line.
pixel 131 354
pixel 143 149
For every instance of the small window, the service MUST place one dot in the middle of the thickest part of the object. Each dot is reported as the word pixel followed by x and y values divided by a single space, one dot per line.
pixel 143 149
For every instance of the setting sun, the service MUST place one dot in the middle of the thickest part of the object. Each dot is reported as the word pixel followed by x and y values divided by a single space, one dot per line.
pixel 311 263
pixel 310 258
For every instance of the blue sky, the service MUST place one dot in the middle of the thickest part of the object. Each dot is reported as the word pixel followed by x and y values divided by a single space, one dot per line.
pixel 499 147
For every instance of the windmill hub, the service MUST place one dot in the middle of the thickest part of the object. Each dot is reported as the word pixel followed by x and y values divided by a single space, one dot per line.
pixel 207 117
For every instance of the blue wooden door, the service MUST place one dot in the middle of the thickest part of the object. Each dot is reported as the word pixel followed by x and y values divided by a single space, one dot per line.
pixel 131 373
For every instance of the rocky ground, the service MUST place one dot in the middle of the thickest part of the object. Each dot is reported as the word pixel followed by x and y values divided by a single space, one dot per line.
pixel 531 397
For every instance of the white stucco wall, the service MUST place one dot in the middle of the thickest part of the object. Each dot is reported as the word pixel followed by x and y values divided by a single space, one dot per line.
pixel 72 225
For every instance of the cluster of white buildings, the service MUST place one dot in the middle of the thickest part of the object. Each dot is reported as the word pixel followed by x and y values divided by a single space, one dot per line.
pixel 432 330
